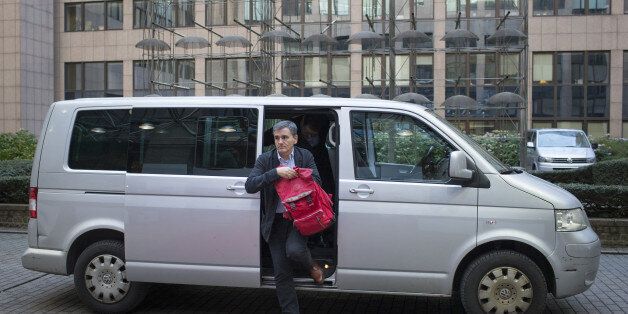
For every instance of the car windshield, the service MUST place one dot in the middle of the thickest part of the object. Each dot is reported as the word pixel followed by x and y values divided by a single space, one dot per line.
pixel 560 138
pixel 499 166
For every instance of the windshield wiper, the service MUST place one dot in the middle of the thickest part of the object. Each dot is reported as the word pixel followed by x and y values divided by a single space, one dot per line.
pixel 511 170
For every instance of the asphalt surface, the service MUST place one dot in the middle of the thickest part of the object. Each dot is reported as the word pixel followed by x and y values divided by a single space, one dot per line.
pixel 25 291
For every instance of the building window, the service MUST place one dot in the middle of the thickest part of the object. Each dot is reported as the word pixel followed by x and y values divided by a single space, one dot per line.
pixel 307 76
pixel 169 77
pixel 414 73
pixel 93 16
pixel 174 13
pixel 314 10
pixel 482 9
pixel 241 76
pixel 561 7
pixel 93 79
pixel 216 12
pixel 378 9
pixel 571 89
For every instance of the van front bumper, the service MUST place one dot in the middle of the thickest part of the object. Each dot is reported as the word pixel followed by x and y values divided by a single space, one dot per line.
pixel 576 261
pixel 47 261
pixel 550 166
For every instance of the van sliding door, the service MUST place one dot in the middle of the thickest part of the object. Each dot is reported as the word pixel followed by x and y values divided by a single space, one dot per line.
pixel 189 219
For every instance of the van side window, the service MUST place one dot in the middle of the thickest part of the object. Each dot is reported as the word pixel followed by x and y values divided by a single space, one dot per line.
pixel 99 140
pixel 193 141
pixel 395 147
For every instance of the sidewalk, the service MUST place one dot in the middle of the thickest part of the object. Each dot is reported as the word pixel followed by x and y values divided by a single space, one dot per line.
pixel 25 291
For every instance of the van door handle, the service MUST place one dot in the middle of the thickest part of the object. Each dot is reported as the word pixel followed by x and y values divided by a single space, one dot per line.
pixel 369 191
pixel 235 187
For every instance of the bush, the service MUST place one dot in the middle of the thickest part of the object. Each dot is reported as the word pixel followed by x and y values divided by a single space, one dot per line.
pixel 610 172
pixel 610 148
pixel 14 190
pixel 12 168
pixel 20 145
pixel 503 145
pixel 601 201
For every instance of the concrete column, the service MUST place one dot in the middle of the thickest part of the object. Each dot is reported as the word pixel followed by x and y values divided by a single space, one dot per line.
pixel 355 59
pixel 199 75
pixel 616 91
pixel 440 13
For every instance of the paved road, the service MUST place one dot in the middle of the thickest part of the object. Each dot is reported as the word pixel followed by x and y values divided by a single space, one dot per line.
pixel 23 291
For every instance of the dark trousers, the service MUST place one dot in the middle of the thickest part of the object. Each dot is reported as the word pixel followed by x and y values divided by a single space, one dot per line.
pixel 286 244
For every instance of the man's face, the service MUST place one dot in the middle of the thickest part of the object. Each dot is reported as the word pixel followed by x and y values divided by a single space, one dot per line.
pixel 284 141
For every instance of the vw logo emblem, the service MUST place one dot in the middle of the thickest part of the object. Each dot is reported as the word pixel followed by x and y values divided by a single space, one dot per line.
pixel 569 160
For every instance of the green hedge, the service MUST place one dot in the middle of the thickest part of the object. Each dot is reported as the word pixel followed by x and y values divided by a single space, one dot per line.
pixel 601 201
pixel 610 148
pixel 503 145
pixel 14 190
pixel 18 167
pixel 19 145
pixel 610 172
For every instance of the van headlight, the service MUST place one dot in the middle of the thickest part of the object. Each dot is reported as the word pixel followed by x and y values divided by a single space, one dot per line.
pixel 571 219
pixel 545 159
pixel 591 160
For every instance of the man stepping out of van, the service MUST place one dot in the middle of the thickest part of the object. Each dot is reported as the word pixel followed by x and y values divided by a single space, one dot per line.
pixel 284 241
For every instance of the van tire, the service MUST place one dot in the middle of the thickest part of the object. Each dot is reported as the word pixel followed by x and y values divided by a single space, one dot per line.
pixel 521 277
pixel 111 275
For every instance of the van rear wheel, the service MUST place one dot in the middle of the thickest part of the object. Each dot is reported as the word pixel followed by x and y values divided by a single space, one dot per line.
pixel 503 282
pixel 101 281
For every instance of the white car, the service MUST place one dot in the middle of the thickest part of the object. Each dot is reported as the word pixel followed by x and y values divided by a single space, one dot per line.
pixel 559 149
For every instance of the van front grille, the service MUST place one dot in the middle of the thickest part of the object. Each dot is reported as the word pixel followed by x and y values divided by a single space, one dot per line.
pixel 569 160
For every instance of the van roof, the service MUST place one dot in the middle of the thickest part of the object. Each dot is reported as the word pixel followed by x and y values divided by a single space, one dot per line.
pixel 187 101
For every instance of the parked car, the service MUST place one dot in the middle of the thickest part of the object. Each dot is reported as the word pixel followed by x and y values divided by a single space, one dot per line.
pixel 559 149
pixel 128 191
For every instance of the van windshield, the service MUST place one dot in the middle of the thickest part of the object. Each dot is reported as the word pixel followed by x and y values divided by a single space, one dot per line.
pixel 499 166
pixel 560 138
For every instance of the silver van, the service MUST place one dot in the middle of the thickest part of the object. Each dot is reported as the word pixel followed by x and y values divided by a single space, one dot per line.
pixel 127 191
pixel 559 149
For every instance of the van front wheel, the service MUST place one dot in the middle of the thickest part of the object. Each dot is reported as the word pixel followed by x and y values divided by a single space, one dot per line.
pixel 101 281
pixel 503 282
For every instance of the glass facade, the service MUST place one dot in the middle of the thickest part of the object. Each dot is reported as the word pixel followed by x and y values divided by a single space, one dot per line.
pixel 173 13
pixel 568 86
pixel 93 16
pixel 571 7
pixel 169 77
pixel 93 79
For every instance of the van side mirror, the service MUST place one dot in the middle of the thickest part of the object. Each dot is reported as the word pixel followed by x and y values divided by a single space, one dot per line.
pixel 530 144
pixel 594 145
pixel 458 166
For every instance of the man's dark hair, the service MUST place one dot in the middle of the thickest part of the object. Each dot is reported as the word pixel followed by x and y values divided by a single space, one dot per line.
pixel 286 124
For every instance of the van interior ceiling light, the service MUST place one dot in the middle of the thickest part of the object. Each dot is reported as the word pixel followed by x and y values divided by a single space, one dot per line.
pixel 98 130
pixel 227 129
pixel 146 126
pixel 404 133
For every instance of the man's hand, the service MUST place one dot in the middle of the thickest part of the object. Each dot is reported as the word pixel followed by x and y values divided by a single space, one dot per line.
pixel 286 172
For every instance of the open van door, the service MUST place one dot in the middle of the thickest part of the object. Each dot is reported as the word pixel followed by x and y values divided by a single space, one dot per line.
pixel 188 218
pixel 402 225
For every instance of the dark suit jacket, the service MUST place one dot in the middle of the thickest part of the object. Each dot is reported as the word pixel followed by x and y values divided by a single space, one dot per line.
pixel 263 177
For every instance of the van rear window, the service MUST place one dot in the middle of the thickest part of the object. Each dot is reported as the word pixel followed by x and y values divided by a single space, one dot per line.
pixel 100 140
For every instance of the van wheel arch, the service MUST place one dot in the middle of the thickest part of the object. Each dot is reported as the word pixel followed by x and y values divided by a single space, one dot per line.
pixel 519 247
pixel 86 239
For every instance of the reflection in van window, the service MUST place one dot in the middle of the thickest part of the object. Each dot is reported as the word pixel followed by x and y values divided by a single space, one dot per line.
pixel 563 139
pixel 99 140
pixel 193 141
pixel 396 147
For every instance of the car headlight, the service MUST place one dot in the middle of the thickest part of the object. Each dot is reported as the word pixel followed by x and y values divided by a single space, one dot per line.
pixel 591 160
pixel 545 159
pixel 571 219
